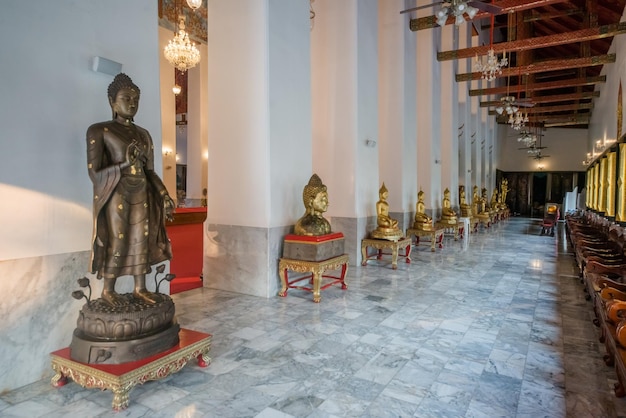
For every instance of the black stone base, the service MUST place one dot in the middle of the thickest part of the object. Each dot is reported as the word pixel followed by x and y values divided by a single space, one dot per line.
pixel 117 352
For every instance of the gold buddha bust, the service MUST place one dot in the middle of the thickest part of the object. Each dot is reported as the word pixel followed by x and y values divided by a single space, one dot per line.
pixel 387 227
pixel 422 220
pixel 315 198
pixel 447 214
pixel 466 209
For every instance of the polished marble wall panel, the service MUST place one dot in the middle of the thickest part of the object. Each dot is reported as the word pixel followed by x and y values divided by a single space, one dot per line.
pixel 405 219
pixel 243 259
pixel 354 230
pixel 39 314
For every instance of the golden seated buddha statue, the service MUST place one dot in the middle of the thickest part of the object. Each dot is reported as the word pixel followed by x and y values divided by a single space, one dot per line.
pixel 387 227
pixel 480 211
pixel 422 220
pixel 466 210
pixel 448 216
pixel 485 201
pixel 315 198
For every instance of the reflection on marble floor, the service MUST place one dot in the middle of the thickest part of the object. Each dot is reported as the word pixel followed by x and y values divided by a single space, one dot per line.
pixel 496 326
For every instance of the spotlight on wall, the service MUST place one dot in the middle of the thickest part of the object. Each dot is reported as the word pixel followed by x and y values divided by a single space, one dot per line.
pixel 167 151
pixel 176 89
pixel 370 143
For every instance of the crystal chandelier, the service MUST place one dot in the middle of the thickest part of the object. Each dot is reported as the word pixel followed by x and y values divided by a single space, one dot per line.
pixel 518 120
pixel 493 66
pixel 507 106
pixel 180 52
pixel 528 139
pixel 457 8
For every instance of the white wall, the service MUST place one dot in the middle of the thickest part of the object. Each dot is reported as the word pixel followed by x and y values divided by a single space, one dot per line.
pixel 49 97
pixel 564 146
pixel 603 124
pixel 289 108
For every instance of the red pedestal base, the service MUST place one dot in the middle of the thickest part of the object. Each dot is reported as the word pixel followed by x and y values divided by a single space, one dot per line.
pixel 120 378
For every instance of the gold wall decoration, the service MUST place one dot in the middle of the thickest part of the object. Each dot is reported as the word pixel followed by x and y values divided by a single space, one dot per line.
pixel 619 111
pixel 594 186
pixel 602 186
pixel 621 179
pixel 588 188
pixel 195 20
pixel 611 160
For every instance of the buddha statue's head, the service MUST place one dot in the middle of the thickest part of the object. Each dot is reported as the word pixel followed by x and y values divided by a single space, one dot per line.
pixel 383 192
pixel 315 196
pixel 420 196
pixel 123 84
pixel 446 193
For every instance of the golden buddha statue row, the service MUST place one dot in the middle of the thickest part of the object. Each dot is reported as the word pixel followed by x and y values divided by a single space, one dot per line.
pixel 424 222
pixel 315 199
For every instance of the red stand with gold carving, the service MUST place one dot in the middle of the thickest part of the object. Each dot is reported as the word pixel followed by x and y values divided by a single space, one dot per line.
pixel 381 244
pixel 314 255
pixel 316 270
pixel 121 378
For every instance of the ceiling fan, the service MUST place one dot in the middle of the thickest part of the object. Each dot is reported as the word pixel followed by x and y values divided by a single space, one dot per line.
pixel 511 105
pixel 538 156
pixel 458 8
pixel 530 140
pixel 534 150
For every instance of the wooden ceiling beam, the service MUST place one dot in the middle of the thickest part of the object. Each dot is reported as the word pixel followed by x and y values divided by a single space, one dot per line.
pixel 582 35
pixel 551 121
pixel 549 85
pixel 549 99
pixel 551 65
pixel 507 6
pixel 551 109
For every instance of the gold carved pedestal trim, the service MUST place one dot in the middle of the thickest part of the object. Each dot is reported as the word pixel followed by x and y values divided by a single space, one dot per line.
pixel 436 236
pixel 381 245
pixel 456 229
pixel 316 276
pixel 121 378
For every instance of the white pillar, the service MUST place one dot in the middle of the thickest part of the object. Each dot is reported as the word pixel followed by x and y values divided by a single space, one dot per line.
pixel 449 120
pixel 465 112
pixel 259 138
pixel 197 130
pixel 428 120
pixel 345 113
pixel 168 117
pixel 396 145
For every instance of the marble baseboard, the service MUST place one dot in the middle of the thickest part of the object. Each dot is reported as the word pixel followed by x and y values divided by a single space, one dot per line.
pixel 405 219
pixel 243 259
pixel 39 313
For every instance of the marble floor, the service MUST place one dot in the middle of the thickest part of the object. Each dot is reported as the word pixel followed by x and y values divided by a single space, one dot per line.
pixel 493 326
